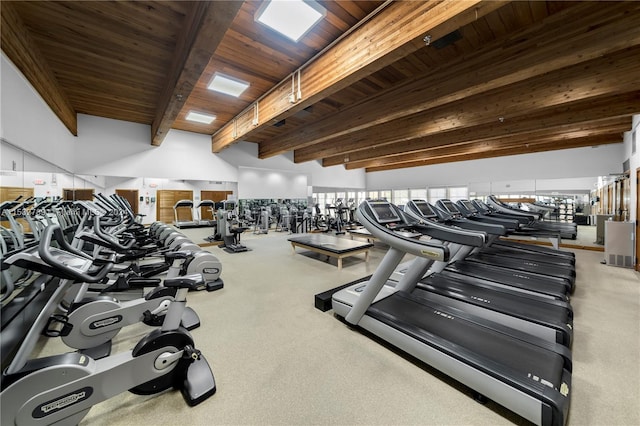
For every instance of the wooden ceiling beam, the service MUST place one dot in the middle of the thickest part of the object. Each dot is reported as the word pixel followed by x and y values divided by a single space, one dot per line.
pixel 424 146
pixel 604 76
pixel 523 141
pixel 393 33
pixel 22 50
pixel 581 113
pixel 578 34
pixel 203 31
pixel 502 152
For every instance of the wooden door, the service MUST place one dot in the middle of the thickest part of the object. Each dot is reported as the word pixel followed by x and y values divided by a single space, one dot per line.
pixel 215 196
pixel 131 195
pixel 77 194
pixel 166 199
pixel 10 193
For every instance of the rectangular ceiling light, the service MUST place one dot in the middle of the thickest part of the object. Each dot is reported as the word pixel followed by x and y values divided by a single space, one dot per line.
pixel 227 85
pixel 292 18
pixel 200 118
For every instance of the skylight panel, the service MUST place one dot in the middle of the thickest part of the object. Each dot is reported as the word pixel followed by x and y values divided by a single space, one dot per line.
pixel 200 118
pixel 291 18
pixel 227 85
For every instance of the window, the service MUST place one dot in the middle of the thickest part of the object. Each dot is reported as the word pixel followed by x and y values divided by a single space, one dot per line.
pixel 400 197
pixel 418 194
pixel 373 195
pixel 385 195
pixel 459 193
pixel 321 200
pixel 436 194
pixel 454 193
pixel 292 19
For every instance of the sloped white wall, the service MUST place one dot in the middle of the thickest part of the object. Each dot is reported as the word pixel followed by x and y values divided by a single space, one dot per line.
pixel 28 122
pixel 120 148
pixel 245 154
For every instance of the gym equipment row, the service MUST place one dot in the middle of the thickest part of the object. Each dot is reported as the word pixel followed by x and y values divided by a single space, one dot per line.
pixel 491 313
pixel 73 293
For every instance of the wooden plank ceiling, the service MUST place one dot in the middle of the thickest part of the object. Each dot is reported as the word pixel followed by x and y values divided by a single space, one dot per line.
pixel 491 78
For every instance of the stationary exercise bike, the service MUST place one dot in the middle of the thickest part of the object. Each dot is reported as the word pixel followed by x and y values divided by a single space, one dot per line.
pixel 92 320
pixel 62 388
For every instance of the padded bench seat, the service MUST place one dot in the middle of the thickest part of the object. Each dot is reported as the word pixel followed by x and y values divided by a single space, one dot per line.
pixel 330 245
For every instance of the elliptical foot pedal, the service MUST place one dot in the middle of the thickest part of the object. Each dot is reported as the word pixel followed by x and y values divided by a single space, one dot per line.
pixel 199 383
pixel 215 285
pixel 190 319
pixel 98 352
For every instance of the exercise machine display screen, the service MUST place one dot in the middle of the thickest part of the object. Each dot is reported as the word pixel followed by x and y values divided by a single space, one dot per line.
pixel 467 204
pixel 451 208
pixel 229 206
pixel 383 212
pixel 424 208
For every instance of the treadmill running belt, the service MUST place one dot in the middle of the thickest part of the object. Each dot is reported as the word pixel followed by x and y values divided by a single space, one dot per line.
pixel 484 349
pixel 550 286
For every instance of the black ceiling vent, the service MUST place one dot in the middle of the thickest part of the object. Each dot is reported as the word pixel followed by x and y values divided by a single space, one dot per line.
pixel 280 123
pixel 445 41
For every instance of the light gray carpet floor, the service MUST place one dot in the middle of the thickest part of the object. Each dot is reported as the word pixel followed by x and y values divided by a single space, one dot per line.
pixel 278 360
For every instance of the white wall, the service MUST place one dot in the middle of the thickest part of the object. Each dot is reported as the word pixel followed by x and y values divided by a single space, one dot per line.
pixel 245 154
pixel 521 172
pixel 27 121
pixel 119 148
pixel 266 183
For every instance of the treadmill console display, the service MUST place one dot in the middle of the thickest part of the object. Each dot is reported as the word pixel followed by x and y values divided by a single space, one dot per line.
pixel 467 204
pixel 424 208
pixel 383 212
pixel 451 208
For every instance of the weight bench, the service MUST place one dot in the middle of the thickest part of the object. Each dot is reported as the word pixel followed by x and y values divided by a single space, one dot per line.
pixel 331 246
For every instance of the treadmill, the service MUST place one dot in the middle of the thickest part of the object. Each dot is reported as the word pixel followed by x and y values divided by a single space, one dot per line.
pixel 451 214
pixel 566 230
pixel 551 289
pixel 475 207
pixel 468 211
pixel 523 373
pixel 549 320
pixel 178 223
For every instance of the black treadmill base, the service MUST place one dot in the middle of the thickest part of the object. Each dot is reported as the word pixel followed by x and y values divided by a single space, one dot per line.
pixel 322 301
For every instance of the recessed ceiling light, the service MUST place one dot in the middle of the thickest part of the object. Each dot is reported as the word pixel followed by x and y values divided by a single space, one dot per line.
pixel 200 118
pixel 292 18
pixel 227 85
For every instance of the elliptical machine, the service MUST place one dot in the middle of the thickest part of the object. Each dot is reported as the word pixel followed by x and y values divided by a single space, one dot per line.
pixel 63 388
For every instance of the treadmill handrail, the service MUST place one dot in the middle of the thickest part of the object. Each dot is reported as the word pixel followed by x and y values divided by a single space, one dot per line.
pixel 445 232
pixel 492 201
pixel 428 249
